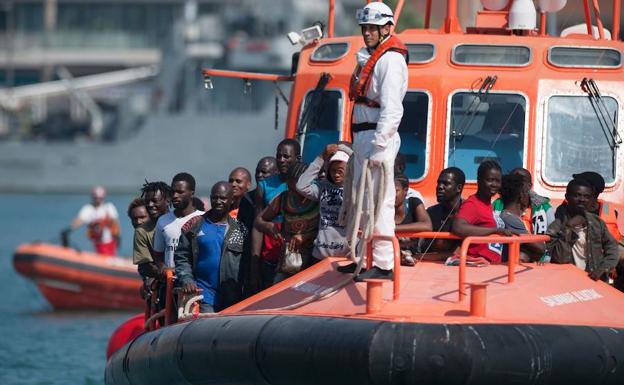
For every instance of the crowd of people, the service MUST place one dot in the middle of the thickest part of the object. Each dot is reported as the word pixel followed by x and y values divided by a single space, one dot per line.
pixel 243 241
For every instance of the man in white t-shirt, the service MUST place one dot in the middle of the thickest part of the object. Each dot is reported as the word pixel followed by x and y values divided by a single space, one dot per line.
pixel 169 226
pixel 102 222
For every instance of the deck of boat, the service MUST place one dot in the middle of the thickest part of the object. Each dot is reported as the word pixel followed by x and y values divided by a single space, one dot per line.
pixel 547 294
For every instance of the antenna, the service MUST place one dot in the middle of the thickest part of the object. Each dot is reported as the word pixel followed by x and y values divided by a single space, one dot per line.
pixel 451 24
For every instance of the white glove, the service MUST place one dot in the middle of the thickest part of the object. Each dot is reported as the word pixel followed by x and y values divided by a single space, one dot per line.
pixel 376 157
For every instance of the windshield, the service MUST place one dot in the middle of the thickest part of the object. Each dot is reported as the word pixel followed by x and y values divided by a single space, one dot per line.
pixel 413 132
pixel 487 126
pixel 323 125
pixel 576 141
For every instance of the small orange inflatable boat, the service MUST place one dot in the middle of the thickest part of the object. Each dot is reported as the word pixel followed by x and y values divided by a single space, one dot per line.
pixel 70 279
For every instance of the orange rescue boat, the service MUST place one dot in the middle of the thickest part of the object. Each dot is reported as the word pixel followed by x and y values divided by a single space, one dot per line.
pixel 498 90
pixel 515 324
pixel 70 279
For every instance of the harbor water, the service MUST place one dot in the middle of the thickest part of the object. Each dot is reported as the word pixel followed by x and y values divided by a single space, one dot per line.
pixel 37 344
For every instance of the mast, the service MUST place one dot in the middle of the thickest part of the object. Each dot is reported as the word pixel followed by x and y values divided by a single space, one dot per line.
pixel 451 23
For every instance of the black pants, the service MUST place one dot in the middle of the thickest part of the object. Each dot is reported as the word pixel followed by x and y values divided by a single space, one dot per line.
pixel 267 274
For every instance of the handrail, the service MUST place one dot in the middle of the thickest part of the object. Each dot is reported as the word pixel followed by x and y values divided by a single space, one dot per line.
pixel 615 29
pixel 514 254
pixel 168 296
pixel 330 19
pixel 397 12
pixel 246 75
pixel 426 234
pixel 147 313
pixel 598 18
pixel 150 316
pixel 428 14
pixel 514 249
pixel 588 22
pixel 396 248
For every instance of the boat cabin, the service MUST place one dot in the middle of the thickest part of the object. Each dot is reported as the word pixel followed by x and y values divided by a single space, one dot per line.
pixel 550 104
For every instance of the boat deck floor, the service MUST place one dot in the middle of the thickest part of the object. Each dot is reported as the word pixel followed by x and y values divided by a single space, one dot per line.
pixel 548 294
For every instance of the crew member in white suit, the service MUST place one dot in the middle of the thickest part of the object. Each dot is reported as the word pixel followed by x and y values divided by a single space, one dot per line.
pixel 378 86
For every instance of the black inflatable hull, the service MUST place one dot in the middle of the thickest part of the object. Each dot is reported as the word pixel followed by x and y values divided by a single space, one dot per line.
pixel 300 350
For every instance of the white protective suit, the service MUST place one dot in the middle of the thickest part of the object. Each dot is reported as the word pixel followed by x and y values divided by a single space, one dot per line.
pixel 387 87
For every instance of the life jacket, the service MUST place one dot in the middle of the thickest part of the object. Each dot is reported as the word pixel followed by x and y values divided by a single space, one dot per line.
pixel 361 78
pixel 96 228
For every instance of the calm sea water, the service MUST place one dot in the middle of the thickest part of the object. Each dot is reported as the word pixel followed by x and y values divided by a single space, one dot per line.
pixel 39 345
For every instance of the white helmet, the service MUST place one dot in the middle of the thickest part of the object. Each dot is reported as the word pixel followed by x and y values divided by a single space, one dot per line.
pixel 376 13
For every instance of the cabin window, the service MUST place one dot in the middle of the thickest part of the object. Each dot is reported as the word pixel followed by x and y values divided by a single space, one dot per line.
pixel 420 53
pixel 320 122
pixel 486 127
pixel 578 139
pixel 585 57
pixel 491 55
pixel 330 52
pixel 413 132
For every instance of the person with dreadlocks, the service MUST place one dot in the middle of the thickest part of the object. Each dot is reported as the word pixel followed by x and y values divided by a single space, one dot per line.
pixel 156 196
pixel 378 86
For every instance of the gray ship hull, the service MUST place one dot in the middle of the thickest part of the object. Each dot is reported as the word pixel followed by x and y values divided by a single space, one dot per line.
pixel 208 147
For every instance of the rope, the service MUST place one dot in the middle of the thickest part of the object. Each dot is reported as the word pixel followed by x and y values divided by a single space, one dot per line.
pixel 185 311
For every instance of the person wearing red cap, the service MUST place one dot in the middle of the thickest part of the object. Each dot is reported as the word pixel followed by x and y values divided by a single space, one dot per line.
pixel 102 222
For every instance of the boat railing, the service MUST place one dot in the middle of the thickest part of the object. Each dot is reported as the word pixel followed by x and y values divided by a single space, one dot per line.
pixel 396 284
pixel 514 243
pixel 151 315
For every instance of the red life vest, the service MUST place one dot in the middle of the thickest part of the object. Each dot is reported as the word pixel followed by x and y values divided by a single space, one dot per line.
pixel 96 228
pixel 360 81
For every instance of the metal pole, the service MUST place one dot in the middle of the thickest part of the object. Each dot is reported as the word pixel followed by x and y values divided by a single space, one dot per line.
pixel 617 10
pixel 450 23
pixel 10 19
pixel 587 17
pixel 49 21
pixel 374 290
pixel 397 12
pixel 598 20
pixel 478 299
pixel 428 14
pixel 542 30
pixel 330 21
